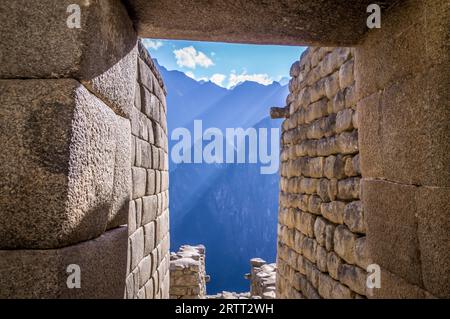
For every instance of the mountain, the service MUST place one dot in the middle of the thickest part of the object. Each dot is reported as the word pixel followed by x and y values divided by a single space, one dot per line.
pixel 230 208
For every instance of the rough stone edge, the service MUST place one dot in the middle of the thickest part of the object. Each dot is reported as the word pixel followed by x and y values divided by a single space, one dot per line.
pixel 146 57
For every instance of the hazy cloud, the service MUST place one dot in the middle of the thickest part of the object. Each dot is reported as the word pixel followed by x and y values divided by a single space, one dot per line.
pixel 234 79
pixel 152 44
pixel 218 78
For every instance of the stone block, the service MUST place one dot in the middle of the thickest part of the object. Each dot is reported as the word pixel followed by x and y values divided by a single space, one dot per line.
pixel 404 131
pixel 332 85
pixel 327 189
pixel 329 236
pixel 137 247
pixel 333 211
pixel 151 182
pixel 347 142
pixel 362 258
pixel 316 110
pixel 433 207
pixel 395 287
pixel 149 237
pixel 349 188
pixel 353 277
pixel 346 74
pixel 390 214
pixel 44 274
pixel 306 223
pixel 101 53
pixel 321 258
pixel 146 154
pixel 145 270
pixel 139 182
pixel 351 167
pixel 317 91
pixel 309 246
pixel 132 217
pixel 149 209
pixel 333 264
pixel 338 102
pixel 314 203
pixel 57 165
pixel 354 217
pixel 149 289
pixel 334 167
pixel 139 212
pixel 344 120
pixel 319 230
pixel 341 292
pixel 350 97
pixel 344 243
pixel 118 214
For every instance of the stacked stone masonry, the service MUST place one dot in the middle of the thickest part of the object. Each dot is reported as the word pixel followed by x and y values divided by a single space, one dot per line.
pixel 187 273
pixel 148 218
pixel 84 139
pixel 321 233
pixel 262 279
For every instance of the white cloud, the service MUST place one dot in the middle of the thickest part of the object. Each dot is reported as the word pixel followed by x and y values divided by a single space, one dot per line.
pixel 190 74
pixel 234 79
pixel 218 78
pixel 189 57
pixel 152 44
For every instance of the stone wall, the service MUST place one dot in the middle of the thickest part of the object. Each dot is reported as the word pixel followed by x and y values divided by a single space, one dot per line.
pixel 187 273
pixel 321 235
pixel 402 82
pixel 83 132
pixel 148 219
pixel 340 210
pixel 262 278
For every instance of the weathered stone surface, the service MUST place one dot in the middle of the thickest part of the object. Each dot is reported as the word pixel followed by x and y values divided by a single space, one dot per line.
pixel 346 74
pixel 102 264
pixel 136 241
pixel 354 217
pixel 349 188
pixel 394 287
pixel 362 258
pixel 333 211
pixel 353 277
pixel 150 209
pixel 344 243
pixel 344 120
pixel 390 213
pixel 433 207
pixel 333 264
pixel 59 149
pixel 149 237
pixel 408 125
pixel 139 175
pixel 101 53
pixel 121 195
pixel 334 167
pixel 307 22
pixel 187 273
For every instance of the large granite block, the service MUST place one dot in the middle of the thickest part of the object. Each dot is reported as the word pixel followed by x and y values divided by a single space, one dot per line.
pixel 36 42
pixel 58 163
pixel 43 273
pixel 393 243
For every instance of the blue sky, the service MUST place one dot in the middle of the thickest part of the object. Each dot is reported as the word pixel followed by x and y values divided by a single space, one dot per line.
pixel 223 63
